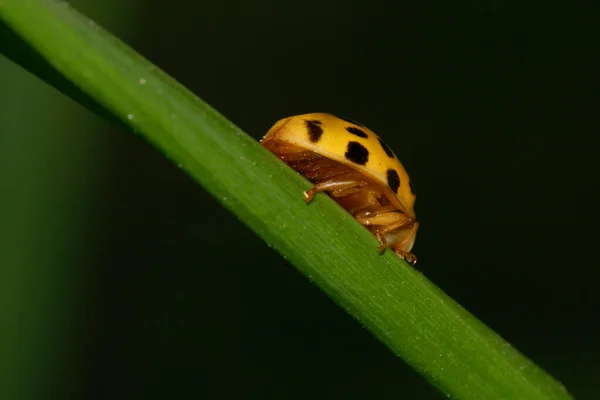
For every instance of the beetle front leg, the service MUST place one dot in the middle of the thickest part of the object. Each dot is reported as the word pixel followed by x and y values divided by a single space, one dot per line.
pixel 335 187
pixel 392 221
pixel 399 247
pixel 403 247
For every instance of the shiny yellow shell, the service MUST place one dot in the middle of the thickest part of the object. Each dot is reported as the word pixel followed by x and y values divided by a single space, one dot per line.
pixel 351 144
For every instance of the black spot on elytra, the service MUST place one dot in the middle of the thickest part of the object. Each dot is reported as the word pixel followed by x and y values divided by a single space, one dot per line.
pixel 357 153
pixel 314 130
pixel 358 132
pixel 412 188
pixel 349 120
pixel 386 148
pixel 393 180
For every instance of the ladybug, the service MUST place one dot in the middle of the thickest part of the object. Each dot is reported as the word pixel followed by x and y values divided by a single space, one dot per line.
pixel 353 166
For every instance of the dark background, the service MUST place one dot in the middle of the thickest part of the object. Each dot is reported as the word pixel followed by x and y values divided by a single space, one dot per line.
pixel 132 282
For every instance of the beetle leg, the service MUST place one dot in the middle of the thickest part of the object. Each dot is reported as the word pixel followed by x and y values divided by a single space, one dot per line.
pixel 408 257
pixel 335 187
pixel 373 213
pixel 382 242
pixel 406 243
pixel 398 247
pixel 391 220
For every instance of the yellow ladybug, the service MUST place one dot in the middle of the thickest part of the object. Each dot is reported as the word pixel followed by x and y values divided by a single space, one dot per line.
pixel 353 165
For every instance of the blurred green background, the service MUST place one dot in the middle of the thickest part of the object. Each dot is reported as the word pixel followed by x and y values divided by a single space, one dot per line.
pixel 122 278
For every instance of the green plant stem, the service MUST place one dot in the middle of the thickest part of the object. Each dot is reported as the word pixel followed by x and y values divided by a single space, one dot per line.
pixel 416 320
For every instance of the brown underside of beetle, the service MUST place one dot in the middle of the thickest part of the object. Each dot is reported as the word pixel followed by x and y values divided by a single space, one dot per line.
pixel 365 199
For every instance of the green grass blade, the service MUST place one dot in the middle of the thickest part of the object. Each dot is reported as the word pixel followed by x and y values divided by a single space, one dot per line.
pixel 418 322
